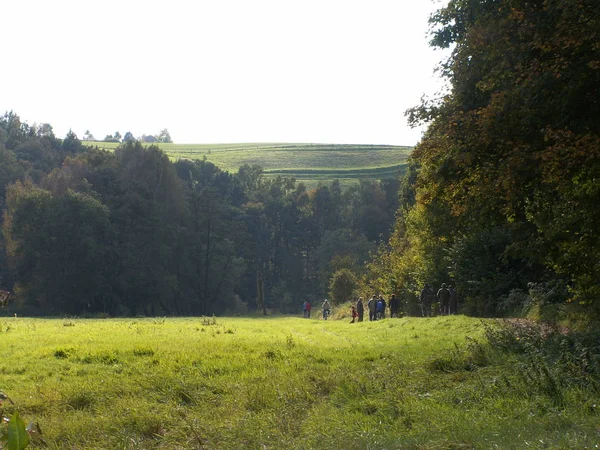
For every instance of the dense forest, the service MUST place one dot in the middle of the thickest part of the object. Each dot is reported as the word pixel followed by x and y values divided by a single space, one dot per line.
pixel 500 199
pixel 503 192
pixel 129 232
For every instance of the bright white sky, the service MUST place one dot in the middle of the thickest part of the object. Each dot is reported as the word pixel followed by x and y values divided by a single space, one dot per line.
pixel 220 71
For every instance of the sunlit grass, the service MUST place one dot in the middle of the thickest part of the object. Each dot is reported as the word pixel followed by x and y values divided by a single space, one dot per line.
pixel 309 163
pixel 281 382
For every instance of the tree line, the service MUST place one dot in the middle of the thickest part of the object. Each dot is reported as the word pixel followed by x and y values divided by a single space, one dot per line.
pixel 164 137
pixel 129 232
pixel 501 197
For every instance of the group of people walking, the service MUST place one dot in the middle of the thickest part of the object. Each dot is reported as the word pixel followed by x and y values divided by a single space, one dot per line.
pixel 444 302
pixel 376 307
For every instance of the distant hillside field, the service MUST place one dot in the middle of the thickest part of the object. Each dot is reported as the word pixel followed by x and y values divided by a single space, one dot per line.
pixel 309 163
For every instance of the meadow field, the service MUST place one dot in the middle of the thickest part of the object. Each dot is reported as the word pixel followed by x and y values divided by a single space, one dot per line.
pixel 281 382
pixel 309 163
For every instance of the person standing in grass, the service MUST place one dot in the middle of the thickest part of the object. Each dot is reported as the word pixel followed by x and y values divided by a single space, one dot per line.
pixel 384 304
pixel 326 309
pixel 372 307
pixel 360 309
pixel 380 308
pixel 426 299
pixel 443 297
pixel 306 309
pixel 354 314
pixel 394 306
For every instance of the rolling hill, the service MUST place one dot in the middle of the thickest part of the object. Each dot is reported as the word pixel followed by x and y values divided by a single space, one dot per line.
pixel 309 163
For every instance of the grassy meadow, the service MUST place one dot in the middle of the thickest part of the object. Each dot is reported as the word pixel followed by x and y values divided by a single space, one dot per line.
pixel 309 163
pixel 272 383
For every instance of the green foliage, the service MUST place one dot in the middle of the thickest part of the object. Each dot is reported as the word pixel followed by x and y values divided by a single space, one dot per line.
pixel 57 242
pixel 547 301
pixel 14 435
pixel 484 272
pixel 131 233
pixel 340 249
pixel 500 190
pixel 164 136
pixel 461 359
pixel 343 286
pixel 12 131
pixel 550 361
pixel 17 437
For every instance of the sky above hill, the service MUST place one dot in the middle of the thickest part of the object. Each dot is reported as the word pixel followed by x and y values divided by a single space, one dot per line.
pixel 221 71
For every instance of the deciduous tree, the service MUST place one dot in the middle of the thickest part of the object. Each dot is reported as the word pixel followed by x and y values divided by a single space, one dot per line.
pixel 514 145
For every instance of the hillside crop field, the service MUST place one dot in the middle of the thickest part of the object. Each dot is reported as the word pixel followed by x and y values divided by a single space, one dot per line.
pixel 309 163
pixel 282 382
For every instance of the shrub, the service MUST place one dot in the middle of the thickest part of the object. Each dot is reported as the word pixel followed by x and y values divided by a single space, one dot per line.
pixel 549 359
pixel 342 286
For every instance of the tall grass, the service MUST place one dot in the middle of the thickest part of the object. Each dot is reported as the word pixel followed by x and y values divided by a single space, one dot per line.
pixel 284 383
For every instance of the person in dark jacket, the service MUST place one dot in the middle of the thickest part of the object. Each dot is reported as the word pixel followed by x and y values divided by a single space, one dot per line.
pixel 381 306
pixel 394 306
pixel 443 297
pixel 426 299
pixel 360 309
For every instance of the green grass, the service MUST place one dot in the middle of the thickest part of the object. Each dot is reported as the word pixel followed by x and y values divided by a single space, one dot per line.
pixel 277 383
pixel 309 163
